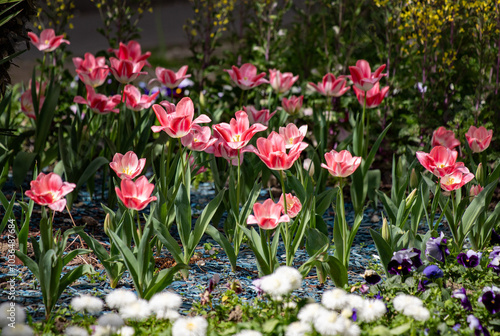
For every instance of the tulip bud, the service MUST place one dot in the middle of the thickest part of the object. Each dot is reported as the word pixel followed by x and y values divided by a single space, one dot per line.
pixel 309 166
pixel 202 100
pixel 480 173
pixel 385 230
pixel 108 224
pixel 475 190
pixel 411 198
pixel 413 179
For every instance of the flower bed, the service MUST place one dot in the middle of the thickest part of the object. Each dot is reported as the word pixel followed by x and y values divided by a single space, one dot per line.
pixel 283 155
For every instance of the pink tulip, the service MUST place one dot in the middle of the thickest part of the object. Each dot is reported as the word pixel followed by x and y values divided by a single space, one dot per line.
pixel 341 164
pixel 198 139
pixel 131 52
pixel 50 190
pixel 272 151
pixel 179 123
pixel 238 132
pixel 220 149
pixel 135 101
pixel 126 71
pixel 443 137
pixel 99 103
pixel 267 215
pixel 136 195
pixel 292 134
pixel 255 116
pixel 171 79
pixel 478 138
pixel 281 82
pixel 374 96
pixel 48 40
pixel 127 166
pixel 331 86
pixel 362 76
pixel 292 105
pixel 293 205
pixel 27 104
pixel 440 161
pixel 91 70
pixel 246 77
pixel 475 190
pixel 456 179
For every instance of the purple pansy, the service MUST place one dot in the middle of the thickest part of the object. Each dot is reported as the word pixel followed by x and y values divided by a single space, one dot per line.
pixel 495 252
pixel 436 249
pixel 470 259
pixel 495 264
pixel 491 299
pixel 403 261
pixel 475 325
pixel 371 277
pixel 462 296
pixel 433 272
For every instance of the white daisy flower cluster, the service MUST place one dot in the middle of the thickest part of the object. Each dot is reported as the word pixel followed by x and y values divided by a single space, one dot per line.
pixel 411 306
pixel 336 314
pixel 163 305
pixel 87 304
pixel 12 320
pixel 282 282
pixel 190 326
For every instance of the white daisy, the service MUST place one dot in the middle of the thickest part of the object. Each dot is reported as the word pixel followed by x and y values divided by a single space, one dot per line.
pixel 19 330
pixel 329 323
pixel 372 310
pixel 75 331
pixel 419 313
pixel 351 328
pixel 402 301
pixel 190 326
pixel 11 312
pixel 165 301
pixel 310 312
pixel 87 303
pixel 136 311
pixel 354 301
pixel 276 285
pixel 334 299
pixel 111 320
pixel 298 329
pixel 290 305
pixel 126 331
pixel 103 330
pixel 120 298
pixel 168 314
pixel 292 274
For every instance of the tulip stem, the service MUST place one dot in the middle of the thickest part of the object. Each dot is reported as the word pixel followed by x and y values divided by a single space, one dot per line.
pixel 285 208
pixel 139 229
pixel 182 162
pixel 365 145
pixel 238 188
pixel 269 250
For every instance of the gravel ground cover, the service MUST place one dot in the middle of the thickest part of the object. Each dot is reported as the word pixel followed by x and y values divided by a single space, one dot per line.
pixel 207 262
